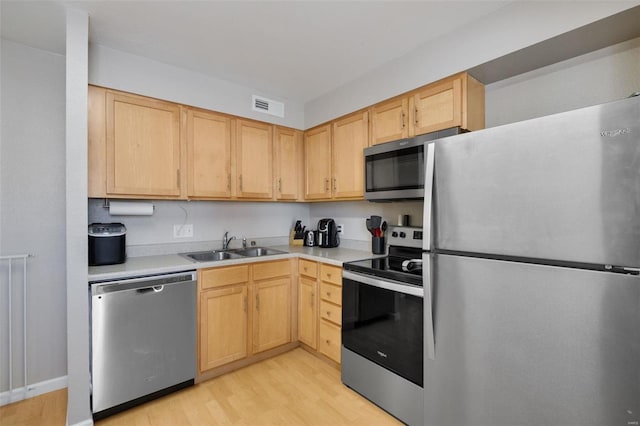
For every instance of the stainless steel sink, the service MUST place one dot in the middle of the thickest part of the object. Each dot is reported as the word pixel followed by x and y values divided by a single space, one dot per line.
pixel 213 255
pixel 258 251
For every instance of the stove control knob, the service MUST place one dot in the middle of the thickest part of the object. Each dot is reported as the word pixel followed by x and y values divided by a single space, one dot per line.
pixel 402 235
pixel 394 234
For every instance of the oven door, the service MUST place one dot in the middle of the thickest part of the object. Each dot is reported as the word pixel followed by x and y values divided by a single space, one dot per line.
pixel 382 321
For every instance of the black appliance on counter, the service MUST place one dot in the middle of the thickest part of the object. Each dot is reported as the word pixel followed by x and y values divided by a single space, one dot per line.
pixel 382 326
pixel 327 233
pixel 107 243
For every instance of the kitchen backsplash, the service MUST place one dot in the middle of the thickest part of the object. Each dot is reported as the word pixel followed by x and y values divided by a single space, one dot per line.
pixel 266 223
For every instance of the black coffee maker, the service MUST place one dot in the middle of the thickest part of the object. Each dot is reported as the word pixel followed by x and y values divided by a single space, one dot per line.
pixel 328 233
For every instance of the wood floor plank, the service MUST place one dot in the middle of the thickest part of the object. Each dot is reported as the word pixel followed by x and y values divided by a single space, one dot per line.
pixel 295 388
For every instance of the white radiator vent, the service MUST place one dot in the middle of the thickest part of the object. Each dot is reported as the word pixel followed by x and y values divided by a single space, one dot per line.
pixel 267 106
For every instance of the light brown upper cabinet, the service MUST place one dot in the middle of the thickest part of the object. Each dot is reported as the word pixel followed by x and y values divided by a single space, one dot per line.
pixel 350 137
pixel 390 120
pixel 135 146
pixel 286 163
pixel 454 101
pixel 254 159
pixel 143 146
pixel 209 142
pixel 333 158
pixel 317 163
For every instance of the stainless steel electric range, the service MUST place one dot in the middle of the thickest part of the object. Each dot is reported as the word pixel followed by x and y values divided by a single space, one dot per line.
pixel 382 326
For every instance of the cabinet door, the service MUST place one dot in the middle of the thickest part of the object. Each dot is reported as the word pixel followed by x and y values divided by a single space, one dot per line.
pixel 223 326
pixel 286 150
pixel 307 302
pixel 330 340
pixel 209 154
pixel 350 137
pixel 317 163
pixel 438 107
pixel 389 121
pixel 143 146
pixel 254 160
pixel 271 314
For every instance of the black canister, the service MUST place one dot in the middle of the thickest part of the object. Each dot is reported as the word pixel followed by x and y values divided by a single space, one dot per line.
pixel 107 243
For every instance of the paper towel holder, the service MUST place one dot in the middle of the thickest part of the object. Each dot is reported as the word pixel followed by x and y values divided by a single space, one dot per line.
pixel 107 205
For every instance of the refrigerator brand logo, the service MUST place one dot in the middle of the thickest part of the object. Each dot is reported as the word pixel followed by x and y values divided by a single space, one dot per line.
pixel 616 132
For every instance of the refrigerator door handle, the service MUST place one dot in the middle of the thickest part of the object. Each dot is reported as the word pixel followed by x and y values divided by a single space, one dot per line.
pixel 429 333
pixel 428 195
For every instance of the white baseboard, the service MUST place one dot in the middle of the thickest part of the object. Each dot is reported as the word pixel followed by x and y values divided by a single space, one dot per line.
pixel 32 390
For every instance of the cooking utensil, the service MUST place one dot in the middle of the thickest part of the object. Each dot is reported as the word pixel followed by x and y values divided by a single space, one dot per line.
pixel 369 227
pixel 375 222
pixel 383 228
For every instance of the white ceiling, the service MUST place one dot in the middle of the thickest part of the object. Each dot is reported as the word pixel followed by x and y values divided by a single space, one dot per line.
pixel 295 50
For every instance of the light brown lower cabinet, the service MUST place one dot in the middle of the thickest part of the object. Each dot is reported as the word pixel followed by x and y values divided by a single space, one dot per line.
pixel 307 308
pixel 243 310
pixel 271 290
pixel 223 326
pixel 320 307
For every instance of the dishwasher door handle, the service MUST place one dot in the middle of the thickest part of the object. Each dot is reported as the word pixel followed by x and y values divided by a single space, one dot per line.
pixel 155 289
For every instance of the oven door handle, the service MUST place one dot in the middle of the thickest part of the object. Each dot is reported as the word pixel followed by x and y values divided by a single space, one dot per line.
pixel 385 284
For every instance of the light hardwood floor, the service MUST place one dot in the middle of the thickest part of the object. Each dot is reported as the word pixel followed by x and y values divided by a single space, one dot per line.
pixel 294 388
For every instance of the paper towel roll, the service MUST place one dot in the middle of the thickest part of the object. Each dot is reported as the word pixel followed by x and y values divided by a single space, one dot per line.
pixel 126 208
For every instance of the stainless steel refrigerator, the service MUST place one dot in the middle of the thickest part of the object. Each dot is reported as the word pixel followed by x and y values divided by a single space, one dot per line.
pixel 532 292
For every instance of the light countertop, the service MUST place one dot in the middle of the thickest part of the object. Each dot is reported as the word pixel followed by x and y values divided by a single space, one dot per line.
pixel 168 263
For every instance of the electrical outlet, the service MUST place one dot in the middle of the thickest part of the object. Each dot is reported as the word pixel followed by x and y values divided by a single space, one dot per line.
pixel 183 231
pixel 340 228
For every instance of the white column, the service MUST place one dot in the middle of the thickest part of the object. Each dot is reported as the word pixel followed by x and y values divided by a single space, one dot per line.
pixel 78 408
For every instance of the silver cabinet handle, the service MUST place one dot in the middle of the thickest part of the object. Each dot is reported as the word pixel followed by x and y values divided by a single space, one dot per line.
pixel 240 180
pixel 402 120
pixel 415 116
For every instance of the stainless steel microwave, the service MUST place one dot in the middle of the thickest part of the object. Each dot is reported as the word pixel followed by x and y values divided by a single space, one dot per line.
pixel 395 170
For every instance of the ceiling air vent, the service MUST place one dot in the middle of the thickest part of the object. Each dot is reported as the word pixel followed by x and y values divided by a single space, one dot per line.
pixel 267 106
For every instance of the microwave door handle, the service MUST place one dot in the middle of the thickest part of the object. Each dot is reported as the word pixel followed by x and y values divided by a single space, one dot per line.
pixel 428 195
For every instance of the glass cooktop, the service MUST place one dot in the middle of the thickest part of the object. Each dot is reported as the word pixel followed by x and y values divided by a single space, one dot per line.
pixel 391 266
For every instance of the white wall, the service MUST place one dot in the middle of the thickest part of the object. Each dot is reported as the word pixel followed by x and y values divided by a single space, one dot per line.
pixel 210 219
pixel 602 76
pixel 513 27
pixel 352 215
pixel 32 196
pixel 119 70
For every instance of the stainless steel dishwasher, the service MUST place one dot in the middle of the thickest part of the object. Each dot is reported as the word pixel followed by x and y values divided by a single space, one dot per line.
pixel 143 339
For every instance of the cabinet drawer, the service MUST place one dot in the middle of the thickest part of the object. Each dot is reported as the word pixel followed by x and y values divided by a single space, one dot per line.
pixel 220 277
pixel 330 340
pixel 331 293
pixel 266 270
pixel 331 274
pixel 331 312
pixel 308 268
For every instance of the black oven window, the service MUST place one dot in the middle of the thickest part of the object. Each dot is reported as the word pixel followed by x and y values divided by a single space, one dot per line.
pixel 395 170
pixel 385 327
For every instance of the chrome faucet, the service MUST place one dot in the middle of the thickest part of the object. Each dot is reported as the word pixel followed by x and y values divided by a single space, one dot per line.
pixel 226 240
pixel 244 242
